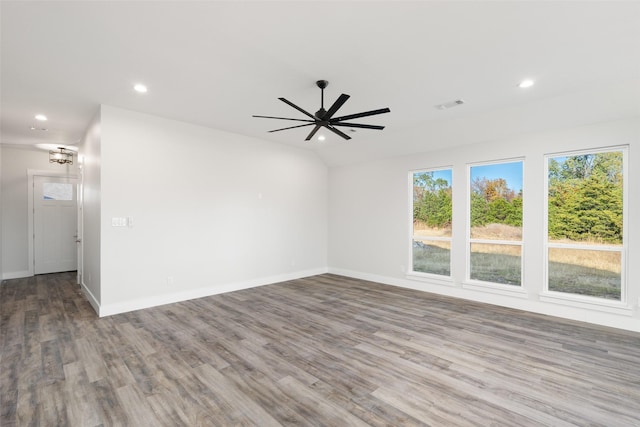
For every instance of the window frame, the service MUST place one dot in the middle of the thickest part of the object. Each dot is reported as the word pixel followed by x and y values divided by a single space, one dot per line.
pixel 419 275
pixel 503 288
pixel 580 300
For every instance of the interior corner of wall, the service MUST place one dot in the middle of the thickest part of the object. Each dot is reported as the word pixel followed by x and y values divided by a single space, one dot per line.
pixel 91 298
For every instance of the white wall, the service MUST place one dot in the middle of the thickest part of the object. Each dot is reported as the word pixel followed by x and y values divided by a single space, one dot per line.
pixel 369 217
pixel 90 219
pixel 1 205
pixel 212 211
pixel 16 160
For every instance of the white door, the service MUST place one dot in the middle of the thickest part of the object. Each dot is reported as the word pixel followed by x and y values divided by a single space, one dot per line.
pixel 55 219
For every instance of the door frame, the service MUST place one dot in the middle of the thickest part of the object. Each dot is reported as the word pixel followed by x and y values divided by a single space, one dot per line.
pixel 31 174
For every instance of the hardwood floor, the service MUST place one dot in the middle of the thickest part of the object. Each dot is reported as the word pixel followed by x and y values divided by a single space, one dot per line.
pixel 321 351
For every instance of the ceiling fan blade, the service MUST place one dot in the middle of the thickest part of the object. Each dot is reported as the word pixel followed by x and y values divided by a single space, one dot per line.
pixel 336 105
pixel 284 118
pixel 338 132
pixel 313 132
pixel 358 125
pixel 291 127
pixel 306 113
pixel 358 115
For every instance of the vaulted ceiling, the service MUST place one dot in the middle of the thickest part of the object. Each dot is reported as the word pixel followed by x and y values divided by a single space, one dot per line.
pixel 216 63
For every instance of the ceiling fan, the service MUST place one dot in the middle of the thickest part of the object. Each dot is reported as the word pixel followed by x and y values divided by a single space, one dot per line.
pixel 324 118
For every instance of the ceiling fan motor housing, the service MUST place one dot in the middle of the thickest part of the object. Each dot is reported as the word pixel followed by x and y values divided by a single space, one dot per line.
pixel 320 113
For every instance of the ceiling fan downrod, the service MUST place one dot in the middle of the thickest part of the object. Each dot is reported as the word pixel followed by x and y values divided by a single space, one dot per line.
pixel 321 112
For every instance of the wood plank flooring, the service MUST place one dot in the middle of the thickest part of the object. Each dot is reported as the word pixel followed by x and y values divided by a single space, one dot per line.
pixel 321 351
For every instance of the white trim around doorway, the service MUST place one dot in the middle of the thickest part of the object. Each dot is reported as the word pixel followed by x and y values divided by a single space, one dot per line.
pixel 31 173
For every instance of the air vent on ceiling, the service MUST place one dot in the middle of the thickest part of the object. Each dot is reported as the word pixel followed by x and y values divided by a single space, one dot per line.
pixel 449 104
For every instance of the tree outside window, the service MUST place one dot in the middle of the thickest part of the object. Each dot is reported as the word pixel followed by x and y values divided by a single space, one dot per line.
pixel 495 218
pixel 432 213
pixel 585 224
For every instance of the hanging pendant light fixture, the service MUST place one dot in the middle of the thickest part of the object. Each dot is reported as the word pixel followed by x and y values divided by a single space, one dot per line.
pixel 62 156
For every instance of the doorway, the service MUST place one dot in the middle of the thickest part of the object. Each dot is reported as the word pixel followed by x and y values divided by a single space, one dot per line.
pixel 54 223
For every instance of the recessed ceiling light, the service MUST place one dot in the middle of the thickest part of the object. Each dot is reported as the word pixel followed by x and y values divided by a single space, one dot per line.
pixel 140 88
pixel 321 138
pixel 35 128
pixel 525 83
pixel 41 117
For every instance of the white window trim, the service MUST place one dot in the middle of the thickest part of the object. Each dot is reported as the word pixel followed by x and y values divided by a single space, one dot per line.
pixel 603 248
pixel 419 275
pixel 588 302
pixel 434 238
pixel 481 285
pixel 496 288
pixel 497 242
pixel 437 279
pixel 584 301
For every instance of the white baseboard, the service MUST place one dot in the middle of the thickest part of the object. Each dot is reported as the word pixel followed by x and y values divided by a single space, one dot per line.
pixel 624 321
pixel 154 301
pixel 90 297
pixel 16 275
pixel 419 285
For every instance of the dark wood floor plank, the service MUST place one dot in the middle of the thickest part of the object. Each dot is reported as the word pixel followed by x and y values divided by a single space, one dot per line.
pixel 134 406
pixel 242 409
pixel 52 368
pixel 53 410
pixel 324 350
pixel 91 359
pixel 78 397
pixel 325 412
pixel 107 405
pixel 268 394
pixel 166 409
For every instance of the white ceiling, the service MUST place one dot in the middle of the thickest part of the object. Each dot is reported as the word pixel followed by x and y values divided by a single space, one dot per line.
pixel 216 63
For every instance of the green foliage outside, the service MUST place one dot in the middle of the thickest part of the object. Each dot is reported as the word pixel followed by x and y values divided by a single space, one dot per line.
pixel 585 198
pixel 585 204
pixel 431 200
pixel 492 202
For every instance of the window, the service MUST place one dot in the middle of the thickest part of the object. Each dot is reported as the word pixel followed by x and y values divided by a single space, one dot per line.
pixel 57 191
pixel 584 245
pixel 495 216
pixel 431 233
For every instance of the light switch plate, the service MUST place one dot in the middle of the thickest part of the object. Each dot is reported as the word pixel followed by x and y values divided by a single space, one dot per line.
pixel 118 222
